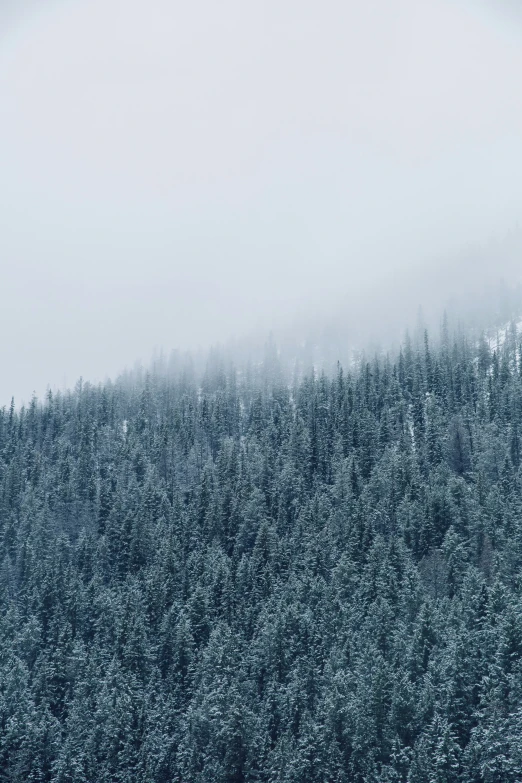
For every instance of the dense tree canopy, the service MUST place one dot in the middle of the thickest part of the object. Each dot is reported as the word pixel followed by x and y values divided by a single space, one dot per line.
pixel 232 578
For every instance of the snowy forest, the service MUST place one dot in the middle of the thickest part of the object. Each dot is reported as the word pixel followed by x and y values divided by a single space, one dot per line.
pixel 238 577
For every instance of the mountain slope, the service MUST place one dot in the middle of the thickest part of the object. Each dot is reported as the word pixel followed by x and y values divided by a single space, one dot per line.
pixel 226 579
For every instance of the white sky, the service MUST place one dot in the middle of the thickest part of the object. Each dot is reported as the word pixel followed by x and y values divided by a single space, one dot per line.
pixel 174 173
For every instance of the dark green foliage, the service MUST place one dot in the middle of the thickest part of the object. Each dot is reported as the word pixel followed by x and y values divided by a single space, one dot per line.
pixel 236 580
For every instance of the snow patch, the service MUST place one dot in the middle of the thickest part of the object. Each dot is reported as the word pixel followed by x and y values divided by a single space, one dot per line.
pixel 496 339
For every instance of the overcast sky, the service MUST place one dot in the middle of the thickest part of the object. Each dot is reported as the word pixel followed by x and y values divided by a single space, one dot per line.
pixel 175 173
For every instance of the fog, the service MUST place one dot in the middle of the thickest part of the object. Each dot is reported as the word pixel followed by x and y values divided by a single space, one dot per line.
pixel 176 174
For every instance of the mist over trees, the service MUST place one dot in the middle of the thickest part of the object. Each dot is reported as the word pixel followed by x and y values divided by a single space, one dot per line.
pixel 230 577
pixel 284 560
pixel 180 174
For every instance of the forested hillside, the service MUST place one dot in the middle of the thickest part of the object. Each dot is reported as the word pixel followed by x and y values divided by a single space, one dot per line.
pixel 230 578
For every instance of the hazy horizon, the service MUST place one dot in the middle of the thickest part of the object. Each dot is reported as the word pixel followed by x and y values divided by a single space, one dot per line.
pixel 178 176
